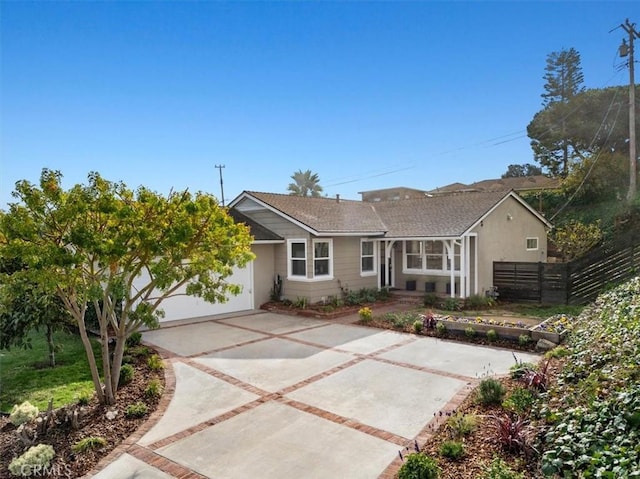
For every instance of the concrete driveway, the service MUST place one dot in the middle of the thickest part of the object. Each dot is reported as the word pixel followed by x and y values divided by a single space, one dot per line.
pixel 274 396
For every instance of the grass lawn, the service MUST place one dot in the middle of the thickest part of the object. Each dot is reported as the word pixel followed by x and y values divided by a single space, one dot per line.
pixel 26 376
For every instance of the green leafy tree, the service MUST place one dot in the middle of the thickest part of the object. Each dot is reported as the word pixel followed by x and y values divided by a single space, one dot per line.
pixel 305 183
pixel 596 130
pixel 526 169
pixel 574 238
pixel 24 307
pixel 563 81
pixel 120 252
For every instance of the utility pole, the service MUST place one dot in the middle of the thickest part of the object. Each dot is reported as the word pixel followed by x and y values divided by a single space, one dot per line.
pixel 625 50
pixel 221 186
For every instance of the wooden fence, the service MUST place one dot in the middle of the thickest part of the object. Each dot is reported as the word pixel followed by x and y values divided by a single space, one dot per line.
pixel 576 282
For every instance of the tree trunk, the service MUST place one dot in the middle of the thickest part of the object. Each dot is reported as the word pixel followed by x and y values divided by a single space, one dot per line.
pixel 95 376
pixel 116 363
pixel 51 346
pixel 109 392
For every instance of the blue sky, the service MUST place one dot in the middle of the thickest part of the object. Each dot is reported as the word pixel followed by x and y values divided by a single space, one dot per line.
pixel 366 94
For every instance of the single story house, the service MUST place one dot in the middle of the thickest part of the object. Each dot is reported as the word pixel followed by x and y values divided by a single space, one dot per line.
pixel 316 248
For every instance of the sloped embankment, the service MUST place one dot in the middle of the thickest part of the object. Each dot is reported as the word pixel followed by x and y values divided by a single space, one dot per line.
pixel 593 411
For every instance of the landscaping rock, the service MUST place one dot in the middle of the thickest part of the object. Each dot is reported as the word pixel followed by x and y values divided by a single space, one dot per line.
pixel 545 345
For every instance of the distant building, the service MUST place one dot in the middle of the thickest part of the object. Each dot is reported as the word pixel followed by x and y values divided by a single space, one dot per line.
pixel 390 194
pixel 521 184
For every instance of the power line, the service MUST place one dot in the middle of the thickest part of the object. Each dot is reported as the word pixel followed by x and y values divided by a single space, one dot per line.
pixel 593 140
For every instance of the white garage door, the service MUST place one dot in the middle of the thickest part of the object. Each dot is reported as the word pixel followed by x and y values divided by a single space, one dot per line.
pixel 187 307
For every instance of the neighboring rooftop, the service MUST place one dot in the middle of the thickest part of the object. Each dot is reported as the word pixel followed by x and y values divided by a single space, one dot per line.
pixel 520 184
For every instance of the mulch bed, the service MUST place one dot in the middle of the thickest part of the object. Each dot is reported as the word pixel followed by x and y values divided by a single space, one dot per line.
pixel 93 422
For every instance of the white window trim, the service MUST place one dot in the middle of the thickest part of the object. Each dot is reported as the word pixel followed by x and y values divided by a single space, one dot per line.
pixel 526 243
pixel 374 271
pixel 309 260
pixel 423 254
pixel 290 274
pixel 322 277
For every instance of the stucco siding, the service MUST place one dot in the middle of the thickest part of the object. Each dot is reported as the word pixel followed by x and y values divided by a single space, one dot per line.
pixel 263 277
pixel 502 237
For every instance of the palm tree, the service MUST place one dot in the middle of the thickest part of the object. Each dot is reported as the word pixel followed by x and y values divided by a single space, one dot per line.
pixel 305 184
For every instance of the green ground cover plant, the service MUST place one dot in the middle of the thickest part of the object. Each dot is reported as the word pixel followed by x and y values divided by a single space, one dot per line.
pixel 27 377
pixel 593 409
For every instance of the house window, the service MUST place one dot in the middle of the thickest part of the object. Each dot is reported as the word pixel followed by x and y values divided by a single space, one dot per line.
pixel 367 258
pixel 414 254
pixel 532 244
pixel 297 258
pixel 322 258
pixel 435 253
pixel 430 257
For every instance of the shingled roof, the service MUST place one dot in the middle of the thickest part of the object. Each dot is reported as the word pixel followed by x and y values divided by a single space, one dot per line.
pixel 326 215
pixel 436 216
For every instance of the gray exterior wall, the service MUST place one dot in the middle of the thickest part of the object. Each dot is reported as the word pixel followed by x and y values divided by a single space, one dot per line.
pixel 504 239
pixel 346 263
pixel 346 271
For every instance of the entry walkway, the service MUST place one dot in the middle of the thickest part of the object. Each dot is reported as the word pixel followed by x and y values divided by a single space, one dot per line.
pixel 275 396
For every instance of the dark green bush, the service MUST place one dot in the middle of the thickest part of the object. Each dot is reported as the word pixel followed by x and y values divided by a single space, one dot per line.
pixel 490 392
pixel 419 466
pixel 134 339
pixel 126 374
pixel 430 299
pixel 452 450
pixel 136 410
pixel 520 400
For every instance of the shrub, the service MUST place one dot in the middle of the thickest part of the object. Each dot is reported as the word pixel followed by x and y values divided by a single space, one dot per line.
pixel 23 413
pixel 512 432
pixel 126 373
pixel 91 442
pixel 490 392
pixel 520 368
pixel 134 339
pixel 419 466
pixel 451 304
pixel 452 450
pixel 519 401
pixel 478 302
pixel 538 378
pixel 154 389
pixel 460 425
pixel 524 339
pixel 492 335
pixel 35 459
pixel 84 398
pixel 498 469
pixel 469 332
pixel 155 362
pixel 430 299
pixel 365 314
pixel 138 351
pixel 301 302
pixel 557 352
pixel 441 329
pixel 138 409
pixel 418 326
